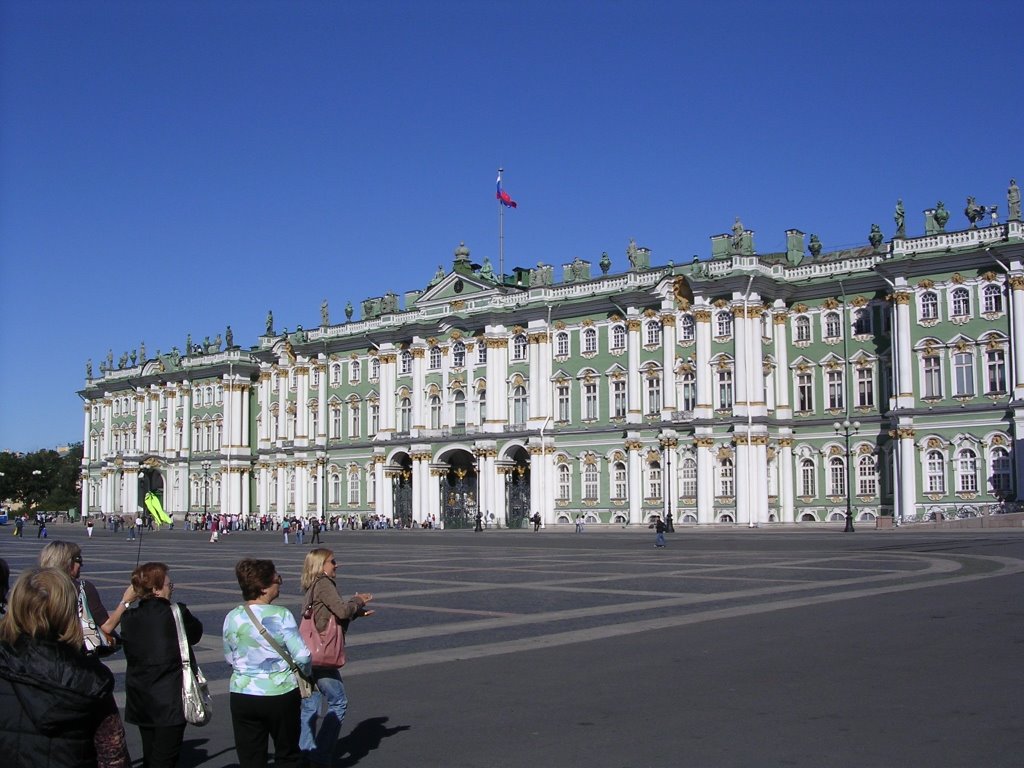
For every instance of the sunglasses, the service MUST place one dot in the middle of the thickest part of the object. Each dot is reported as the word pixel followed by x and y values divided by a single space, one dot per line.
pixel 277 580
pixel 333 561
pixel 77 559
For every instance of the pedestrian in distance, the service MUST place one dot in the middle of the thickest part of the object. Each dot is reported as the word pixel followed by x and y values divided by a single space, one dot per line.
pixel 325 605
pixel 536 521
pixel 659 531
pixel 315 538
pixel 19 527
pixel 285 525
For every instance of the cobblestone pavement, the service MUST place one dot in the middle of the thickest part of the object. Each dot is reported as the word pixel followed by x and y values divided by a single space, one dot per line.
pixel 513 648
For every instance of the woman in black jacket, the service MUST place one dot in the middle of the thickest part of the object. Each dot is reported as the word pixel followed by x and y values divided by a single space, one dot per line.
pixel 57 703
pixel 153 677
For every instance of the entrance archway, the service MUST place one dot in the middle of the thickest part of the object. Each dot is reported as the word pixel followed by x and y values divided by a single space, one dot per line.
pixel 517 489
pixel 459 491
pixel 400 471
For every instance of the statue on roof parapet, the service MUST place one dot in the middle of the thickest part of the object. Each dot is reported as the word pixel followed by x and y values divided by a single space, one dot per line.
pixel 348 311
pixel 639 258
pixel 875 237
pixel 941 216
pixel 324 316
pixel 974 212
pixel 1013 201
pixel 814 246
pixel 487 271
pixel 270 323
pixel 900 217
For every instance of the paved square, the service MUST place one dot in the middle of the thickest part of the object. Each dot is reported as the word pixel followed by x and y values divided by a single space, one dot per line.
pixel 727 648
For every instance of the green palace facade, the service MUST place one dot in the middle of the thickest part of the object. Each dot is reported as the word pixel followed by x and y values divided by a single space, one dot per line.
pixel 747 389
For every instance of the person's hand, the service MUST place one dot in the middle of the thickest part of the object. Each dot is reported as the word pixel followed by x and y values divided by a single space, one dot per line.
pixel 364 596
pixel 129 595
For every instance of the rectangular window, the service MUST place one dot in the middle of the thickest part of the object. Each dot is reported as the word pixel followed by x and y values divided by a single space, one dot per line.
pixel 932 377
pixel 590 401
pixel 963 374
pixel 562 394
pixel 836 400
pixel 804 392
pixel 618 399
pixel 865 387
pixel 995 371
pixel 653 395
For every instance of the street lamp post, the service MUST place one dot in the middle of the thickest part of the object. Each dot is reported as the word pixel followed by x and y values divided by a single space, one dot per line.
pixel 206 487
pixel 846 427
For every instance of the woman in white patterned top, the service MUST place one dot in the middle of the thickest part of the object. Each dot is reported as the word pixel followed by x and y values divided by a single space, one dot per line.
pixel 264 692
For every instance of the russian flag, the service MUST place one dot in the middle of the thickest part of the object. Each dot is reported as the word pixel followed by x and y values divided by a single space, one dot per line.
pixel 503 195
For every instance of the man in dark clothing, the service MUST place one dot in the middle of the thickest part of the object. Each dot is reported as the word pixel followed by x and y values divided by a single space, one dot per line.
pixel 536 521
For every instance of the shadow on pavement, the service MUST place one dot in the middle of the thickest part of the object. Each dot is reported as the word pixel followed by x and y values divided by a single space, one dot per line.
pixel 362 740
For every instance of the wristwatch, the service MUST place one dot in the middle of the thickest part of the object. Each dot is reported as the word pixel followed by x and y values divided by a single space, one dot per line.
pixel 127 605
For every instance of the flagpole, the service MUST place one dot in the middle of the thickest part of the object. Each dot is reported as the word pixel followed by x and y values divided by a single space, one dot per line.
pixel 501 237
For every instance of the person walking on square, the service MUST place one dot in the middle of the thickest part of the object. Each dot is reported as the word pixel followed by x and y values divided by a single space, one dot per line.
pixel 300 526
pixel 315 538
pixel 319 574
pixel 659 532
pixel 88 528
pixel 19 527
pixel 131 529
pixel 285 525
pixel 536 521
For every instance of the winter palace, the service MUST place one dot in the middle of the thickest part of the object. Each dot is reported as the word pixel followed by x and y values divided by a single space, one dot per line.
pixel 748 388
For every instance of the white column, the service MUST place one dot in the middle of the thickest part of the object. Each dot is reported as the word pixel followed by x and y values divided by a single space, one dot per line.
pixel 634 411
pixel 186 418
pixel 419 389
pixel 302 404
pixel 703 372
pixel 633 447
pixel 668 366
pixel 783 381
pixel 321 431
pixel 388 384
pixel 705 480
pixel 786 477
pixel 908 473
pixel 905 398
pixel 282 491
pixel 264 397
pixel 497 386
pixel 1017 338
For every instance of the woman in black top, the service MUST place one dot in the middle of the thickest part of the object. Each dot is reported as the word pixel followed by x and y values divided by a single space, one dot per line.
pixel 153 679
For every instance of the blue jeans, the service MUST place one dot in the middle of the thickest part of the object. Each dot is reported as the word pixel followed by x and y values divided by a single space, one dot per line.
pixel 321 746
pixel 659 539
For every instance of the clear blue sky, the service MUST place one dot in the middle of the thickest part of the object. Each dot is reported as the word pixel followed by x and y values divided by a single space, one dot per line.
pixel 169 168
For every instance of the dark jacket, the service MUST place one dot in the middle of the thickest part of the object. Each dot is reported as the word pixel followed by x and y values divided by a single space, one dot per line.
pixel 52 699
pixel 153 679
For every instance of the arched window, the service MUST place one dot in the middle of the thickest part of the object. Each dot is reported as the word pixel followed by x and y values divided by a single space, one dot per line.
pixel 723 324
pixel 652 336
pixel 335 374
pixel 832 325
pixel 688 478
pixel 992 298
pixel 355 371
pixel 458 355
pixel 434 406
pixel 590 482
pixel 562 344
pixel 335 488
pixel 862 321
pixel 589 341
pixel 654 480
pixel 967 471
pixel 836 476
pixel 404 414
pixel 653 392
pixel 435 358
pixel 960 300
pixel 808 486
pixel 405 362
pixel 459 407
pixel 619 481
pixel 687 330
pixel 867 476
pixel 802 328
pixel 688 395
pixel 353 485
pixel 519 410
pixel 374 368
pixel 929 305
pixel 564 483
pixel 725 478
pixel 519 346
pixel 935 472
pixel 481 404
pixel 618 337
pixel 999 477
pixel 354 426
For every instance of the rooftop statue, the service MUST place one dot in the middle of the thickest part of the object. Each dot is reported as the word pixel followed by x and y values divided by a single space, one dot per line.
pixel 487 271
pixel 941 216
pixel 737 235
pixel 270 323
pixel 349 310
pixel 88 368
pixel 229 337
pixel 900 217
pixel 605 263
pixel 438 276
pixel 188 344
pixel 974 212
pixel 631 252
pixel 323 313
pixel 814 246
pixel 1013 200
pixel 142 350
pixel 875 237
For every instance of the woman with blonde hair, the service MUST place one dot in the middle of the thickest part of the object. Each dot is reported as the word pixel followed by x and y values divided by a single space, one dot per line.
pixel 319 572
pixel 98 625
pixel 58 702
pixel 152 680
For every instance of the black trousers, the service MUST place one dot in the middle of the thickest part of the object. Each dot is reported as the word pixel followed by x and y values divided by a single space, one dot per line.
pixel 161 745
pixel 254 718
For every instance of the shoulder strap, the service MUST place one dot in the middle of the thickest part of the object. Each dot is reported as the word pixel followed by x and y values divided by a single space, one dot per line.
pixel 281 650
pixel 179 625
